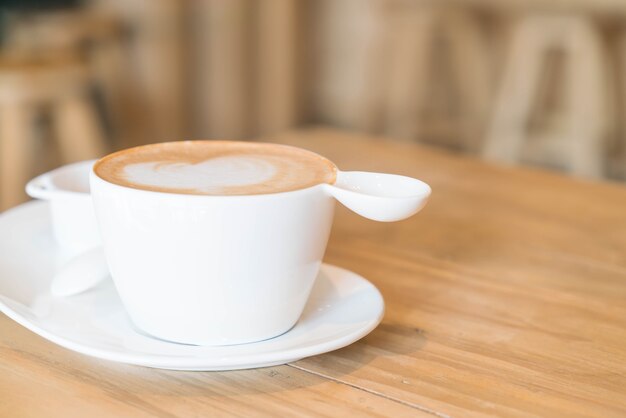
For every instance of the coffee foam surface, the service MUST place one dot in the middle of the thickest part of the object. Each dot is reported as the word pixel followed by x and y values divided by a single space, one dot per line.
pixel 216 168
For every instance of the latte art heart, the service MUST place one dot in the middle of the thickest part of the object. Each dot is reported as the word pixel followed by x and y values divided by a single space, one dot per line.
pixel 212 176
pixel 216 168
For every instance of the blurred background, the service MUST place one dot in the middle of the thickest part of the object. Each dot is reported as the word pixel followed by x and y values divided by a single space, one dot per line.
pixel 523 82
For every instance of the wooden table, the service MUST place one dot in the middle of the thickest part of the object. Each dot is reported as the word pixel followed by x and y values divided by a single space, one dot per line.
pixel 506 296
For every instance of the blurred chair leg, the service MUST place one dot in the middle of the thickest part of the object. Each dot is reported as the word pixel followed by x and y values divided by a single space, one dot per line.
pixel 226 85
pixel 109 69
pixel 619 157
pixel 472 70
pixel 514 100
pixel 78 130
pixel 360 106
pixel 588 99
pixel 411 41
pixel 276 69
pixel 16 142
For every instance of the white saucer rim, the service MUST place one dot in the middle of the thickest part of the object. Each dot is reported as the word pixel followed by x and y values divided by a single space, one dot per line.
pixel 194 361
pixel 158 361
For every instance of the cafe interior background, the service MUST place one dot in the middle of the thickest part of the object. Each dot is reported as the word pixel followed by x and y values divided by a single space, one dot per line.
pixel 531 82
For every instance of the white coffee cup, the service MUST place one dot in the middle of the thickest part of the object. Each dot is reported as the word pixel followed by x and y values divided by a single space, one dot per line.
pixel 73 220
pixel 217 270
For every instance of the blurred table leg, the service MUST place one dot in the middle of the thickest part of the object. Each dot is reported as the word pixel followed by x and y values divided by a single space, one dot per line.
pixel 16 143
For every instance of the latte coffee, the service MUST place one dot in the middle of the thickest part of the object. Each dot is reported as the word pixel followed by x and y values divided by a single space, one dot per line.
pixel 216 168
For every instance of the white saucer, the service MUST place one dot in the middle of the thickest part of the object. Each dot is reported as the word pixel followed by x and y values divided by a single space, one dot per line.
pixel 343 308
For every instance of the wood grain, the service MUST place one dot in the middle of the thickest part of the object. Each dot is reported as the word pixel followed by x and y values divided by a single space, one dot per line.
pixel 506 296
pixel 39 379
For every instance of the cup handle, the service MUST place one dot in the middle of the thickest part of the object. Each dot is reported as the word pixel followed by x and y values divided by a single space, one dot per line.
pixel 378 196
pixel 39 188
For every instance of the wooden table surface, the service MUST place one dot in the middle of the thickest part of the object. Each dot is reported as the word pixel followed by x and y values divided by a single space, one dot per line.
pixel 506 296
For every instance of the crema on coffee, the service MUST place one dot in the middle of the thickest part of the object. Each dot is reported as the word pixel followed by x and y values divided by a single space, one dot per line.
pixel 216 168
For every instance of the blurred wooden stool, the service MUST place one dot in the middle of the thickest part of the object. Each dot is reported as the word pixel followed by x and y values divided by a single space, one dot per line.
pixel 27 86
pixel 579 147
pixel 99 38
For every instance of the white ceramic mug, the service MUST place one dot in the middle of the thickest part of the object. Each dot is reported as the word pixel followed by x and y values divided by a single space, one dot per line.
pixel 73 219
pixel 216 270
